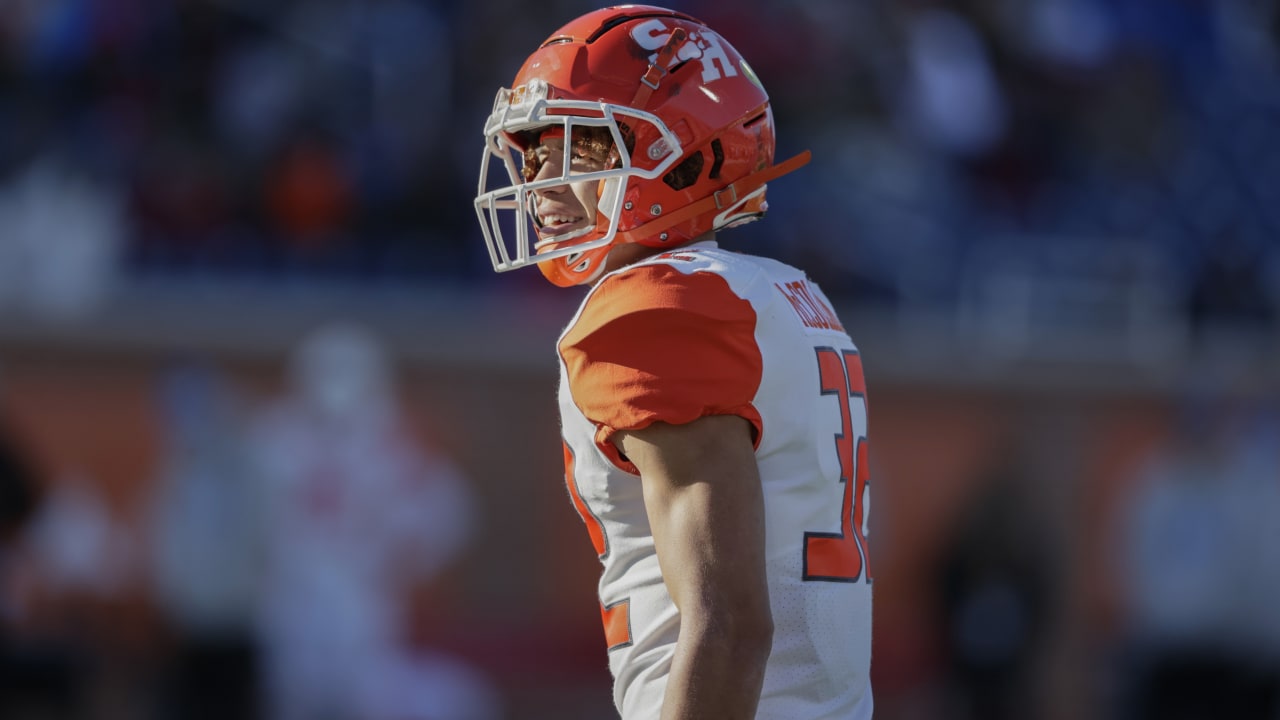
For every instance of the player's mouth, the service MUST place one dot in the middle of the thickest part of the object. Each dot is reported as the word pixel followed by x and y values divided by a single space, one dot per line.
pixel 553 228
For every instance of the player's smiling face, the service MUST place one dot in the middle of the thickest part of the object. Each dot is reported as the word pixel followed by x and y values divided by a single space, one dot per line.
pixel 564 211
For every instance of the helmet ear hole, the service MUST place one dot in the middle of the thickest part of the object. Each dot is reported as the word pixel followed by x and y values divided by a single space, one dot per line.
pixel 717 151
pixel 686 173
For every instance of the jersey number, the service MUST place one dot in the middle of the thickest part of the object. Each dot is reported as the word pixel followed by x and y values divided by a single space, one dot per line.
pixel 616 617
pixel 843 556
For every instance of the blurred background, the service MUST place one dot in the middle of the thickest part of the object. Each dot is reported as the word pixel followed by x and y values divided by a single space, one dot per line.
pixel 276 443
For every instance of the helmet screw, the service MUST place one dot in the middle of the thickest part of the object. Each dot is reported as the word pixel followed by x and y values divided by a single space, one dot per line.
pixel 628 205
pixel 655 209
pixel 663 237
pixel 657 149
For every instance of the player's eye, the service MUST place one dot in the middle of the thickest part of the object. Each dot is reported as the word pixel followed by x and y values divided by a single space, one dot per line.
pixel 585 155
pixel 534 159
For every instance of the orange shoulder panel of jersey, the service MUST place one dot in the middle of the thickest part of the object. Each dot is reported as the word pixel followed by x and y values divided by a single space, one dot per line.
pixel 657 344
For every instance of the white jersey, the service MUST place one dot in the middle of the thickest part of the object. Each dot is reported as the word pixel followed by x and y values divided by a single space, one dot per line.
pixel 704 331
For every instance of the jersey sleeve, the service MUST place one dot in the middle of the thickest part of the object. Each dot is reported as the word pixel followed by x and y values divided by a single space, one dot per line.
pixel 658 344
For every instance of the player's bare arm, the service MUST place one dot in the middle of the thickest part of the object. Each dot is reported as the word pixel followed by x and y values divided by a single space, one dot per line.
pixel 703 496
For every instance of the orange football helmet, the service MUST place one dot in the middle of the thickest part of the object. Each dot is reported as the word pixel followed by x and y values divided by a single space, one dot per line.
pixel 692 136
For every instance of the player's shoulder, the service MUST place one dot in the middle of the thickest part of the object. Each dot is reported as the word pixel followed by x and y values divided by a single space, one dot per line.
pixel 759 281
pixel 695 284
pixel 706 257
pixel 704 268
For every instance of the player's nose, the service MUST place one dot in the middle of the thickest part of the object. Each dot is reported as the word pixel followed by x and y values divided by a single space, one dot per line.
pixel 549 170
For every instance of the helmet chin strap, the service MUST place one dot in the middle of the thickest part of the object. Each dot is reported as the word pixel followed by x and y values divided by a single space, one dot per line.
pixel 718 200
pixel 658 68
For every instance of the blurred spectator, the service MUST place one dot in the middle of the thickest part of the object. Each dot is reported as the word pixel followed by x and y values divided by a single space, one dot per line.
pixel 951 101
pixel 63 236
pixel 316 139
pixel 1200 560
pixel 1071 34
pixel 74 566
pixel 1231 288
pixel 356 513
pixel 20 674
pixel 181 204
pixel 207 549
pixel 997 587
pixel 257 90
pixel 80 549
pixel 19 497
pixel 309 197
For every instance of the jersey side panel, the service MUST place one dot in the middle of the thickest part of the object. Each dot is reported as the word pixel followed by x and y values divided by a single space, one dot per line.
pixel 822 629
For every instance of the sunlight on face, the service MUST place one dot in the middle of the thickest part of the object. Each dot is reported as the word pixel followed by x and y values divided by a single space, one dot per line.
pixel 561 210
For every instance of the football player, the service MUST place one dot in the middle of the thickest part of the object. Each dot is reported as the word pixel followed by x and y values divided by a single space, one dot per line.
pixel 713 407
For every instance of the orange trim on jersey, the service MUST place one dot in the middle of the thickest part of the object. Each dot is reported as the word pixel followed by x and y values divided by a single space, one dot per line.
pixel 654 344
pixel 617 624
pixel 594 528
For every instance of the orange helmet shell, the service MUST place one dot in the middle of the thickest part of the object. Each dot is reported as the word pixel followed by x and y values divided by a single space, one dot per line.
pixel 683 93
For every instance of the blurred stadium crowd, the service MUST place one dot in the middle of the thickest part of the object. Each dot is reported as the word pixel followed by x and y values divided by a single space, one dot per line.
pixel 1124 146
pixel 1041 174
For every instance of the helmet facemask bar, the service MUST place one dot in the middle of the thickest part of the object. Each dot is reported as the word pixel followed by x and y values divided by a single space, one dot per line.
pixel 525 109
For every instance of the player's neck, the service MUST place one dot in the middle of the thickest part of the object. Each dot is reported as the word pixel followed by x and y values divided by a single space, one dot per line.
pixel 630 253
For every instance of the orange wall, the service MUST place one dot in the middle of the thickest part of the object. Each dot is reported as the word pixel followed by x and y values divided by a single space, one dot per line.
pixel 521 601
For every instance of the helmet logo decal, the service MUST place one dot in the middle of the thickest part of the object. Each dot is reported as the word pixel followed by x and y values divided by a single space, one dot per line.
pixel 702 46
